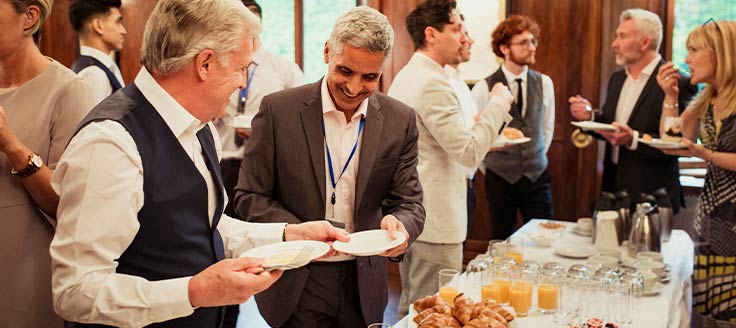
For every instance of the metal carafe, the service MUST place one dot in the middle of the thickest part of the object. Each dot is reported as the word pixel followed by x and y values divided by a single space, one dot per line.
pixel 647 198
pixel 606 202
pixel 644 235
pixel 624 214
pixel 665 213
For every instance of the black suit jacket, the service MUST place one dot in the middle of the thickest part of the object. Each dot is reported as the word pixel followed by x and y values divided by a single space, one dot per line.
pixel 645 169
pixel 282 179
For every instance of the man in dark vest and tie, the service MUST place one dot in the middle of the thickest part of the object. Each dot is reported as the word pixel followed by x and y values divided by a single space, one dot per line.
pixel 516 176
pixel 141 238
pixel 99 26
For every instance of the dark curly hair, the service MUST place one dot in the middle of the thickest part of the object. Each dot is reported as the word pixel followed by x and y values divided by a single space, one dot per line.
pixel 81 11
pixel 513 25
pixel 435 13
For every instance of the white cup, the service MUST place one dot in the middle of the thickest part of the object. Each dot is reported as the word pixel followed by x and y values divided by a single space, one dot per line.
pixel 649 255
pixel 603 260
pixel 650 279
pixel 585 224
pixel 646 265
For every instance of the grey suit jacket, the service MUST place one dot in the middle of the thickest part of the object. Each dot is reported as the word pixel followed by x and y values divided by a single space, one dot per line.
pixel 282 179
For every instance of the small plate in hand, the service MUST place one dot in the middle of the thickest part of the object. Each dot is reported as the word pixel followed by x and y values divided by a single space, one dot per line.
pixel 593 126
pixel 661 144
pixel 369 242
pixel 279 254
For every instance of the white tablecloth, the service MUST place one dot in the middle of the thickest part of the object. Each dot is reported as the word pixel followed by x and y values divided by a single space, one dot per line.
pixel 668 309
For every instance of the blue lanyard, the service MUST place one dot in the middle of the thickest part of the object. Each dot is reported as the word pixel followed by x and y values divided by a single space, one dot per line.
pixel 329 158
pixel 244 92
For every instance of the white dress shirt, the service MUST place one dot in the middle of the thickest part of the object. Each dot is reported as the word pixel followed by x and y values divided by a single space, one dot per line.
pixel 100 182
pixel 95 77
pixel 630 92
pixel 341 136
pixel 481 89
pixel 272 74
pixel 467 103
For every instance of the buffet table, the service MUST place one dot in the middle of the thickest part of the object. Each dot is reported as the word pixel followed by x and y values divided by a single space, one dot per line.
pixel 668 309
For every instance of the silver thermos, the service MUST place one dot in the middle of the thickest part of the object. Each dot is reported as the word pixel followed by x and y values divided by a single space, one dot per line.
pixel 624 214
pixel 666 220
pixel 644 234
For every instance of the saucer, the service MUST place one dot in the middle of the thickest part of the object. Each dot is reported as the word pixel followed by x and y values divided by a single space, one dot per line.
pixel 583 233
pixel 665 278
pixel 655 289
pixel 574 250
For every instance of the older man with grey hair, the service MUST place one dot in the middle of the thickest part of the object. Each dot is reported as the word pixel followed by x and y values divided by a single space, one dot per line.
pixel 141 239
pixel 633 105
pixel 336 150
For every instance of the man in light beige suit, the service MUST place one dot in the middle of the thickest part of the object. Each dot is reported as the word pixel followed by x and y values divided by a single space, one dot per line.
pixel 447 145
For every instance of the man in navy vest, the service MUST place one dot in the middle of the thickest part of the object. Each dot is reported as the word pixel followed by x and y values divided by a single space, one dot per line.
pixel 99 26
pixel 141 239
pixel 516 176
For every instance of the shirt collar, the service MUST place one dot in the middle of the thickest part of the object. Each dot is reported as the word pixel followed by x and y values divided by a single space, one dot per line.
pixel 648 70
pixel 329 106
pixel 510 77
pixel 428 59
pixel 104 58
pixel 452 72
pixel 176 117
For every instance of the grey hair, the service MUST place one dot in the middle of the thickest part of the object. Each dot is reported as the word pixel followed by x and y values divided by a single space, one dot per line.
pixel 362 27
pixel 44 7
pixel 178 30
pixel 647 22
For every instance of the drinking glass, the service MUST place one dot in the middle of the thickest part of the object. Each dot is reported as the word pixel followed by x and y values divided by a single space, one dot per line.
pixel 496 283
pixel 570 301
pixel 497 249
pixel 548 290
pixel 379 325
pixel 515 249
pixel 520 293
pixel 448 280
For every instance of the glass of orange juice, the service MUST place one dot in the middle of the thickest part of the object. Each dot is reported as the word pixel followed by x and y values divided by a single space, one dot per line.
pixel 548 290
pixel 496 283
pixel 520 293
pixel 515 249
pixel 448 284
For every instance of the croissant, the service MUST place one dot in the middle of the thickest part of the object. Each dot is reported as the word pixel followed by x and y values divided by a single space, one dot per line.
pixel 480 311
pixel 436 320
pixel 428 302
pixel 493 305
pixel 441 309
pixel 485 322
pixel 463 308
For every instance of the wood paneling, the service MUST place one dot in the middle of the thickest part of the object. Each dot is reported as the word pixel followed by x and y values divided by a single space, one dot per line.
pixel 59 40
pixel 396 11
pixel 135 15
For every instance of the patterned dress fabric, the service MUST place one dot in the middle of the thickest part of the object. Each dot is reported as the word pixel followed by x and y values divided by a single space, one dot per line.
pixel 714 278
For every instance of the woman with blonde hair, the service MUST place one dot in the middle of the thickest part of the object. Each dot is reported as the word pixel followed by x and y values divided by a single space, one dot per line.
pixel 41 102
pixel 711 116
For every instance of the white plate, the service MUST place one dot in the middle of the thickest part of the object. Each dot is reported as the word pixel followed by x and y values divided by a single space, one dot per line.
pixel 580 232
pixel 501 141
pixel 592 126
pixel 655 289
pixel 242 122
pixel 661 144
pixel 282 253
pixel 369 242
pixel 413 313
pixel 574 250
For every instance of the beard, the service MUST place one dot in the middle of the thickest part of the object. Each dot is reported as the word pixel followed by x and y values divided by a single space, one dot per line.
pixel 522 60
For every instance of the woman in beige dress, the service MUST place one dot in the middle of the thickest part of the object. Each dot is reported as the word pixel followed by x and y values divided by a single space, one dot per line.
pixel 41 102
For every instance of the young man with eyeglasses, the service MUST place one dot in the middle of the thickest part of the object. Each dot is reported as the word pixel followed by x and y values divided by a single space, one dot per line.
pixel 516 176
pixel 634 105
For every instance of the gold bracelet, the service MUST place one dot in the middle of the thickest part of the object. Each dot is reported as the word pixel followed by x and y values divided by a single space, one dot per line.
pixel 670 106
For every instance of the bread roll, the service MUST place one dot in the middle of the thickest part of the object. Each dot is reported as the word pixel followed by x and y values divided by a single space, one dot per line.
pixel 512 133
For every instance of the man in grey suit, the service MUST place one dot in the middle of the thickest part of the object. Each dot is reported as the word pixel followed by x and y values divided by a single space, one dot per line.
pixel 335 150
pixel 447 145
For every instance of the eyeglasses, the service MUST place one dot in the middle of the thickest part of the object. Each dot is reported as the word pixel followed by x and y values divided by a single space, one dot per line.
pixel 526 43
pixel 718 28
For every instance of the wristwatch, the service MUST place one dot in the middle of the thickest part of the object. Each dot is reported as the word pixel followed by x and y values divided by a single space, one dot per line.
pixel 34 164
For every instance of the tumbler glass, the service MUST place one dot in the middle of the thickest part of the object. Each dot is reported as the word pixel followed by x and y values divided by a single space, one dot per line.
pixel 515 249
pixel 448 281
pixel 548 291
pixel 520 293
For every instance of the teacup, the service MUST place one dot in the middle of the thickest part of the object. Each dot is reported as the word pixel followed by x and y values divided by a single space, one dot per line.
pixel 650 279
pixel 646 265
pixel 585 224
pixel 649 255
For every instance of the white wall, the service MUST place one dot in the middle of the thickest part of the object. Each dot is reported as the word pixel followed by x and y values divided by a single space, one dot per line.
pixel 482 16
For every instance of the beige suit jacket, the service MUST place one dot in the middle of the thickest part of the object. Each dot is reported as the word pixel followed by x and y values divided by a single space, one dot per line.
pixel 446 145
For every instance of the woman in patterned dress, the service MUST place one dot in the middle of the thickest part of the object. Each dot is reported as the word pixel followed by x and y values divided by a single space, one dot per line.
pixel 711 116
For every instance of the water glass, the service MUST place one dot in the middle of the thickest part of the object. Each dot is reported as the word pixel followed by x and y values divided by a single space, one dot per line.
pixel 570 294
pixel 497 249
pixel 379 325
pixel 448 281
pixel 515 249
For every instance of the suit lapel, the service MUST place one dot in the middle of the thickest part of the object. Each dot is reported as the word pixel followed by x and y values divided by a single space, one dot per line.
pixel 368 148
pixel 651 83
pixel 312 118
pixel 614 94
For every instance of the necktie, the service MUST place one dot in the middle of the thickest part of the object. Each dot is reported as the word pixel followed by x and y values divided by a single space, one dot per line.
pixel 519 97
pixel 204 135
